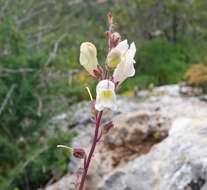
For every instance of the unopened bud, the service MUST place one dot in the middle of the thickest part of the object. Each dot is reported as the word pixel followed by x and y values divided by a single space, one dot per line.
pixel 110 18
pixel 116 85
pixel 113 58
pixel 115 39
pixel 93 109
pixel 97 72
pixel 88 57
pixel 107 34
pixel 79 153
pixel 106 127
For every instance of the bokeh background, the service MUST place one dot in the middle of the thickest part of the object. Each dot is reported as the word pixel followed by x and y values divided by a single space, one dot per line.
pixel 40 75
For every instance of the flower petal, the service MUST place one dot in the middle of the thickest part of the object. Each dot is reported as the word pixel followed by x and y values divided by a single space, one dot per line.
pixel 106 97
pixel 105 84
pixel 126 68
pixel 99 106
pixel 88 57
pixel 122 46
pixel 114 58
pixel 131 70
pixel 131 52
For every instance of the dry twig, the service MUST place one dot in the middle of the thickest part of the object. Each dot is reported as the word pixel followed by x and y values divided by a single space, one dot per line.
pixel 8 95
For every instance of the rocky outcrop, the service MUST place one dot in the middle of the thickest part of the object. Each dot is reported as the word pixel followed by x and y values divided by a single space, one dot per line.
pixel 178 163
pixel 133 135
pixel 138 154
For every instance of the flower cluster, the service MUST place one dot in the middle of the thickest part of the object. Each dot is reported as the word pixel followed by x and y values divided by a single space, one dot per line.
pixel 120 59
pixel 119 65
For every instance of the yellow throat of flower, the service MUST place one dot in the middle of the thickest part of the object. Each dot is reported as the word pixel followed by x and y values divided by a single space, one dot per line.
pixel 113 59
pixel 106 94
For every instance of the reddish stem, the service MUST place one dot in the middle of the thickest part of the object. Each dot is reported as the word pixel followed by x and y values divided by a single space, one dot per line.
pixel 93 146
pixel 97 136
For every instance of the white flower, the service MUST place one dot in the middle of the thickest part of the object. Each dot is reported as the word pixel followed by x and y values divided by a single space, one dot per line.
pixel 88 57
pixel 105 95
pixel 125 68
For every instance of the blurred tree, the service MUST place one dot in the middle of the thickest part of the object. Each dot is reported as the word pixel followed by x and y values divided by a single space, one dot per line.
pixel 170 18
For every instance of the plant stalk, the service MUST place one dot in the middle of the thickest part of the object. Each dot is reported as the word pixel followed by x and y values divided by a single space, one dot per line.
pixel 93 146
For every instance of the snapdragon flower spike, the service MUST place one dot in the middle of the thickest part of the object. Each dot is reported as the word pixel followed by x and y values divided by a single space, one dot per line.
pixel 105 95
pixel 88 58
pixel 125 68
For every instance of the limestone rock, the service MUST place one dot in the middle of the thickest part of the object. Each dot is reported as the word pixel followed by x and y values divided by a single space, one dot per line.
pixel 133 135
pixel 66 183
pixel 177 163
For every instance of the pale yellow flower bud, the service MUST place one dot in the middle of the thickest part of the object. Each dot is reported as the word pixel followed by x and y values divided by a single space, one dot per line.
pixel 113 58
pixel 88 57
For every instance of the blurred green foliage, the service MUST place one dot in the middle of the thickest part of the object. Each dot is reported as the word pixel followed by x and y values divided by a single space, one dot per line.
pixel 28 154
pixel 40 75
pixel 160 62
